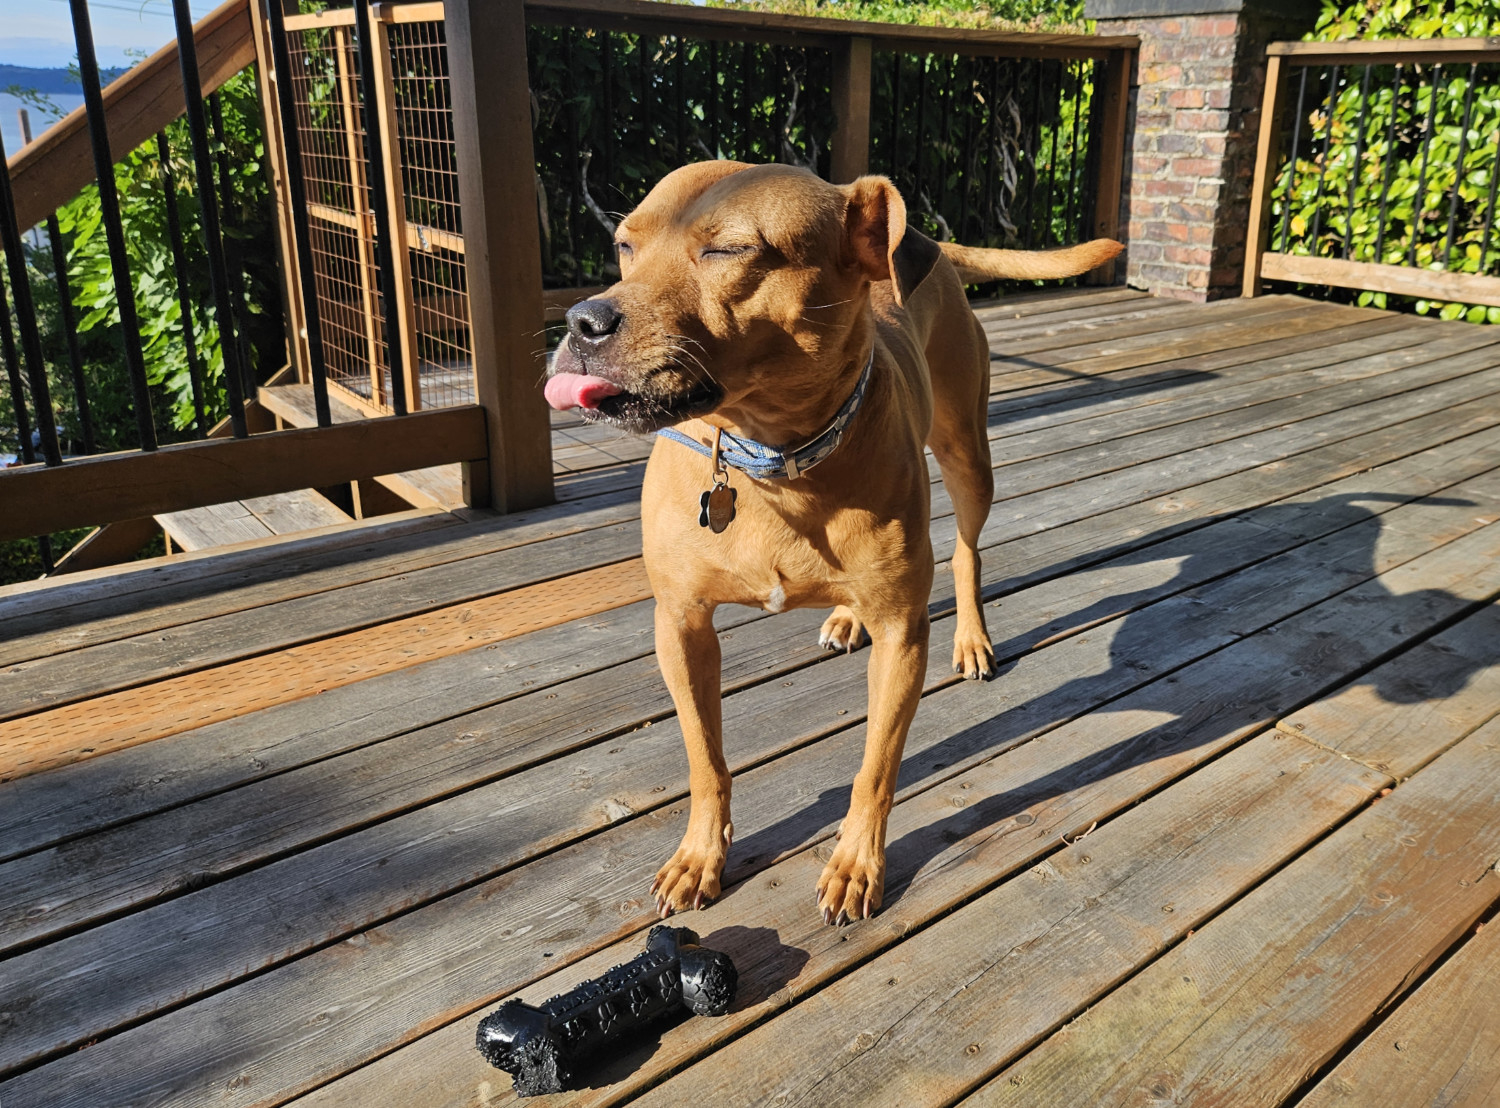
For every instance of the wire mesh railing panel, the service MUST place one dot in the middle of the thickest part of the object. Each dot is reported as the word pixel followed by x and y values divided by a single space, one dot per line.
pixel 435 247
pixel 1393 165
pixel 614 112
pixel 331 129
pixel 988 151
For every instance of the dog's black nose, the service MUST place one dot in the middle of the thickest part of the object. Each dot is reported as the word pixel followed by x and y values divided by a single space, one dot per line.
pixel 593 321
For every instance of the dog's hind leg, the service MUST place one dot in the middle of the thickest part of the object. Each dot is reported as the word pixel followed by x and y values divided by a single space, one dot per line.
pixel 960 441
pixel 687 648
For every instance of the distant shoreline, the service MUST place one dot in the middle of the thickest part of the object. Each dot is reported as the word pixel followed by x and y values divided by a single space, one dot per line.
pixel 48 82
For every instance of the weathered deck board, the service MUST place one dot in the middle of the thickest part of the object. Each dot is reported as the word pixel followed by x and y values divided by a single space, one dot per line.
pixel 1213 524
pixel 112 721
pixel 1464 570
pixel 149 859
pixel 1442 688
pixel 157 774
pixel 1254 1003
pixel 1440 1048
pixel 949 841
pixel 42 685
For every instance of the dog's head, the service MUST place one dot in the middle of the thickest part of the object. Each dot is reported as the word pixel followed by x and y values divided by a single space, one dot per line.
pixel 742 289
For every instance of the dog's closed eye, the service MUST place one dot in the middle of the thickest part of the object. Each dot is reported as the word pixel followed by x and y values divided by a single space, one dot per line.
pixel 726 250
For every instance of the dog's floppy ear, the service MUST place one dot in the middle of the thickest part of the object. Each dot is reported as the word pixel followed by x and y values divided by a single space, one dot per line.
pixel 879 240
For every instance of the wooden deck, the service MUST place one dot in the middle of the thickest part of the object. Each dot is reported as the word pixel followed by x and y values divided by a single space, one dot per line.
pixel 280 823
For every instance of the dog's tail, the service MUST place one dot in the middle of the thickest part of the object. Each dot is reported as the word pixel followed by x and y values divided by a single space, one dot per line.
pixel 975 264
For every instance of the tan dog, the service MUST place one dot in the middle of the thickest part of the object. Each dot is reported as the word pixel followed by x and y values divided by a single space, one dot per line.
pixel 753 300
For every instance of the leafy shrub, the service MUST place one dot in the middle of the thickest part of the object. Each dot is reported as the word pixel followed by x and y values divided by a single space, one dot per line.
pixel 1421 153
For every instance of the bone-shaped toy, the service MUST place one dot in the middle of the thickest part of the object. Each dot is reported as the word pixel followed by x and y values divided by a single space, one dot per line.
pixel 541 1047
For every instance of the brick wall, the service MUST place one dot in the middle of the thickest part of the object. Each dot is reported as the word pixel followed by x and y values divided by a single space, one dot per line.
pixel 1194 120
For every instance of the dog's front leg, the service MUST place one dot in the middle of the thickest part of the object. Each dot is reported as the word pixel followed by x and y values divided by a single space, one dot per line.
pixel 853 882
pixel 687 648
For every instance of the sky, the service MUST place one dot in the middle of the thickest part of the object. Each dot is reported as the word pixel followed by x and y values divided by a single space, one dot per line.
pixel 39 33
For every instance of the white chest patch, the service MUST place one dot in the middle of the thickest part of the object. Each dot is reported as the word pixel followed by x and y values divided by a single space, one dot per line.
pixel 776 601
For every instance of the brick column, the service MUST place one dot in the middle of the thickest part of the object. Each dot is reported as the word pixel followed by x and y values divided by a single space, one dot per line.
pixel 1195 111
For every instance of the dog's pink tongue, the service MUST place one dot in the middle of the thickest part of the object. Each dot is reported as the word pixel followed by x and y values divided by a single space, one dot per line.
pixel 578 390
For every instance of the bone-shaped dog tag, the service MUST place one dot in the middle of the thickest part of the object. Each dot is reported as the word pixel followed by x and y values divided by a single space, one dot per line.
pixel 716 508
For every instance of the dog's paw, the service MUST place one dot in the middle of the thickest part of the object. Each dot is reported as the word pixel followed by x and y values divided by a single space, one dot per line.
pixel 691 878
pixel 973 656
pixel 842 630
pixel 853 881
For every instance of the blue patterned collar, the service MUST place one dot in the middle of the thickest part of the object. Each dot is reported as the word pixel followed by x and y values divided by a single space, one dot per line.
pixel 766 462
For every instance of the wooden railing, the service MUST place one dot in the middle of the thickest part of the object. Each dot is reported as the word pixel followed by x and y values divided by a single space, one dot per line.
pixel 1357 112
pixel 503 437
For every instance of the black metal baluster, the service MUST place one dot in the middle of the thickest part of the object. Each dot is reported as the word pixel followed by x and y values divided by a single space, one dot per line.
pixel 893 156
pixel 922 60
pixel 297 194
pixel 1333 99
pixel 713 98
pixel 742 149
pixel 1047 231
pixel 1068 228
pixel 1489 214
pixel 678 87
pixel 1289 196
pixel 1458 168
pixel 378 173
pixel 233 257
pixel 13 374
pixel 1419 203
pixel 109 206
pixel 575 158
pixel 967 154
pixel 643 64
pixel 1035 149
pixel 987 219
pixel 1359 160
pixel 70 334
pixel 65 307
pixel 31 338
pixel 184 294
pixel 208 203
pixel 1390 162
pixel 607 74
pixel 778 112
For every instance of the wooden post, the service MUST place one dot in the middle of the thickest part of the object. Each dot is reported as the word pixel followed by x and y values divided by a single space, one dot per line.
pixel 1267 149
pixel 386 118
pixel 851 108
pixel 291 303
pixel 354 150
pixel 502 245
pixel 1114 85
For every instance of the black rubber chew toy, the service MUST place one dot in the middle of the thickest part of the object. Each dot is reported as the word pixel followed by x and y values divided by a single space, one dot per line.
pixel 541 1047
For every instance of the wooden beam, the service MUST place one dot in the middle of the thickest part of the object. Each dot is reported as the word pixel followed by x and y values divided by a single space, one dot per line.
pixel 556 302
pixel 1113 135
pixel 137 105
pixel 108 545
pixel 1448 51
pixel 1267 150
pixel 276 171
pixel 758 26
pixel 354 153
pixel 384 117
pixel 1430 284
pixel 496 178
pixel 851 109
pixel 110 488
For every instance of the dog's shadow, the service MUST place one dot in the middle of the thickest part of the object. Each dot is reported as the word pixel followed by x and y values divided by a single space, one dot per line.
pixel 1354 532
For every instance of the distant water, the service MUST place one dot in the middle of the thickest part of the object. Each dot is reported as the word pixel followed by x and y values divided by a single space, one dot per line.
pixel 10 124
